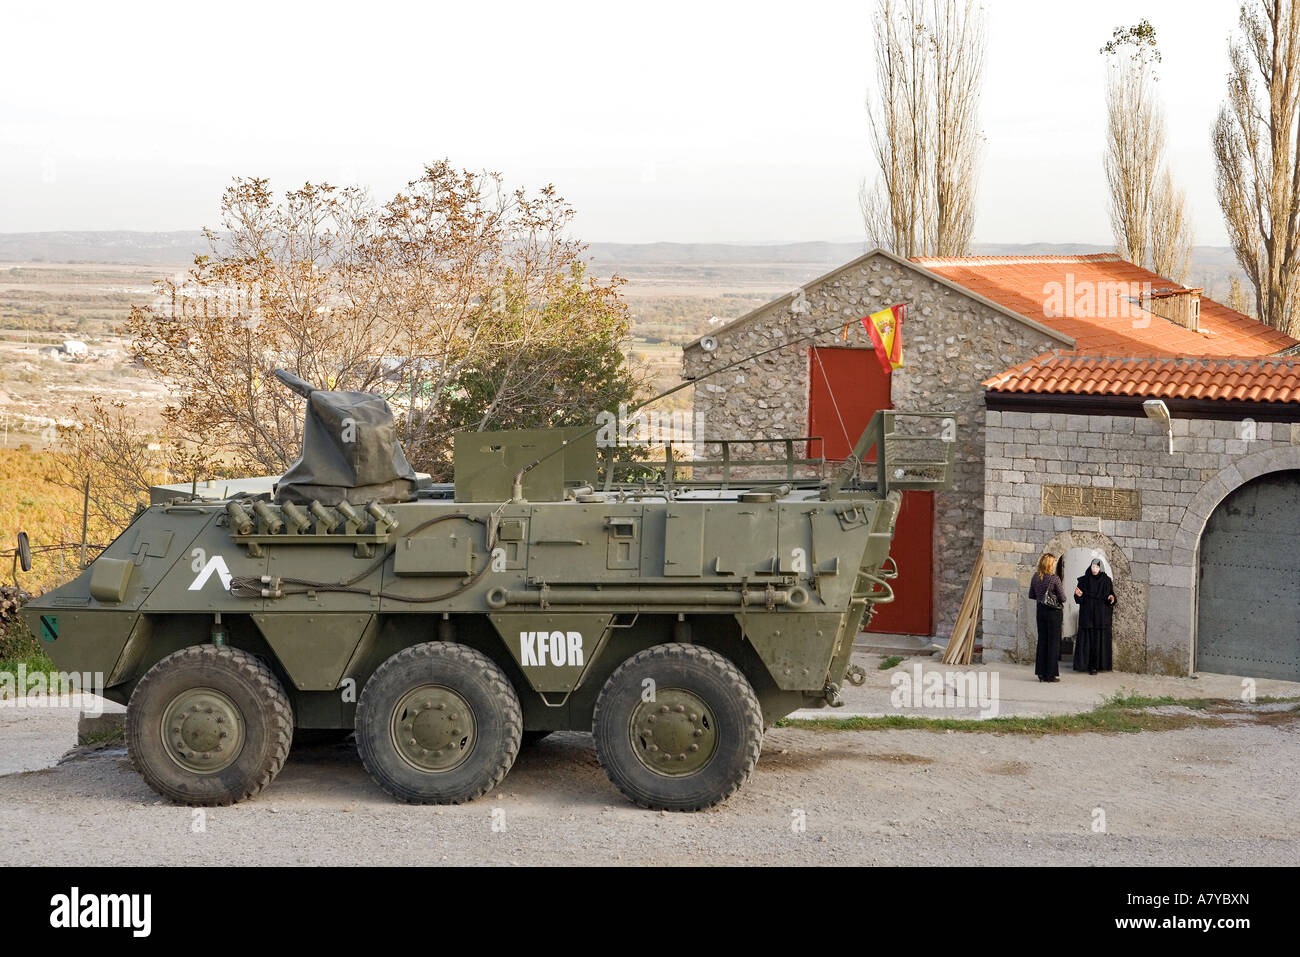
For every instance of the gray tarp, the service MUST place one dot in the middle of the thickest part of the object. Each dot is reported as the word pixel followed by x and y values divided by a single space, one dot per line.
pixel 349 450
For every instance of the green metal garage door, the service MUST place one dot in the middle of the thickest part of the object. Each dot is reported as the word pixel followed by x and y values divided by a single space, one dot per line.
pixel 1248 614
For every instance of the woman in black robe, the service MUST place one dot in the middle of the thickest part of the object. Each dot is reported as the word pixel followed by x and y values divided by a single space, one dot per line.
pixel 1095 595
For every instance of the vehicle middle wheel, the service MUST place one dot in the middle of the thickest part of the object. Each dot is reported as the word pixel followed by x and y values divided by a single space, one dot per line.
pixel 438 723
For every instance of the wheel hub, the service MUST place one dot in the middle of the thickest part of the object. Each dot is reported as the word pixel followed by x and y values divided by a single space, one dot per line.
pixel 433 728
pixel 202 730
pixel 675 734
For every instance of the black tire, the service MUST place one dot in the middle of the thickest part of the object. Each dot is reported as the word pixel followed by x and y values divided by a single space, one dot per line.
pixel 532 737
pixel 479 752
pixel 730 719
pixel 254 710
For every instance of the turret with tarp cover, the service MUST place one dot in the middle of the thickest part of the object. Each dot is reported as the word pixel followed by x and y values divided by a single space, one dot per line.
pixel 349 448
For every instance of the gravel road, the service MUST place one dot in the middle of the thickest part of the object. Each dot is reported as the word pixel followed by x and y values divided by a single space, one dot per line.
pixel 1197 796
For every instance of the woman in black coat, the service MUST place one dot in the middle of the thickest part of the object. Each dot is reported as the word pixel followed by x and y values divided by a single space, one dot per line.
pixel 1049 598
pixel 1095 595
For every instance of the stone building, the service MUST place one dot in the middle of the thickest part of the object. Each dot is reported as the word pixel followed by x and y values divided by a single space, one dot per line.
pixel 1200 538
pixel 967 320
pixel 953 339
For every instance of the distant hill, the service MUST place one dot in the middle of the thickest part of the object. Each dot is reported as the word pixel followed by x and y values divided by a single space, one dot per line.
pixel 122 247
pixel 109 247
pixel 748 266
pixel 729 253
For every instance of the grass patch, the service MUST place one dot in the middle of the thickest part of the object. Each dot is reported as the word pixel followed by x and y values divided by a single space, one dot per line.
pixel 890 662
pixel 104 736
pixel 1120 714
pixel 35 661
pixel 1127 699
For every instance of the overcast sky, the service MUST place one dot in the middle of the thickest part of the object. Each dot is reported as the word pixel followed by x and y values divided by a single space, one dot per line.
pixel 686 122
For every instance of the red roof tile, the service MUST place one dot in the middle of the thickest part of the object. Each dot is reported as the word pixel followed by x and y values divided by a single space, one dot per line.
pixel 1080 297
pixel 1251 380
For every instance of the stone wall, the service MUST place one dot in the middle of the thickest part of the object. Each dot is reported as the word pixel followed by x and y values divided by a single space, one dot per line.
pixel 951 343
pixel 1153 556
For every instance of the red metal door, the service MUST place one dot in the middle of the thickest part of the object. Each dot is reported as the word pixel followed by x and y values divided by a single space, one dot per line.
pixel 911 611
pixel 845 386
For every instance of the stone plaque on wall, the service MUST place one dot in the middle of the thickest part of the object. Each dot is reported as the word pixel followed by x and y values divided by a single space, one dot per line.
pixel 1115 504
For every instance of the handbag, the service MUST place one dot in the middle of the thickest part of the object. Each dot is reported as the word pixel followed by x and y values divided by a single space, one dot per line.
pixel 1049 598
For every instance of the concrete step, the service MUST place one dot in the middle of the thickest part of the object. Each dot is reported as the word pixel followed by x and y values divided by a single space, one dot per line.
pixel 909 646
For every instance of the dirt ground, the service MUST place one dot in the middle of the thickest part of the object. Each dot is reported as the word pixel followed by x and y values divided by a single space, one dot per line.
pixel 1197 796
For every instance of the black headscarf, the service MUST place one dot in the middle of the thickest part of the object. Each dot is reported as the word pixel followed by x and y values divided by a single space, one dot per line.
pixel 1096 586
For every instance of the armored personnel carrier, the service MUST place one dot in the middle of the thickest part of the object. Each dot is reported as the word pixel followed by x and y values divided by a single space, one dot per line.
pixel 675 610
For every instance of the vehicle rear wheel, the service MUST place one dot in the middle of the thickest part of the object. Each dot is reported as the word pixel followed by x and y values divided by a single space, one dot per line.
pixel 438 723
pixel 208 725
pixel 685 742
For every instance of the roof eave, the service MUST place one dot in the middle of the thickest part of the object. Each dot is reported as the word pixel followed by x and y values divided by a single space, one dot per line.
pixel 1077 403
pixel 898 260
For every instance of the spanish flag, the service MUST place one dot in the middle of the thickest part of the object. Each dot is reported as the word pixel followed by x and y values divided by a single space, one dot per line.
pixel 886 330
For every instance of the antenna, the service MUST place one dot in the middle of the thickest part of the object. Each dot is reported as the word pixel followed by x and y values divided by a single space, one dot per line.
pixel 517 492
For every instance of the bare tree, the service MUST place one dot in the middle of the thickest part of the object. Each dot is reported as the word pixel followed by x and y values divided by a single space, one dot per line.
pixel 1257 172
pixel 924 121
pixel 462 303
pixel 1148 212
pixel 1170 232
pixel 1237 298
pixel 960 42
pixel 284 284
pixel 120 458
pixel 896 207
pixel 1135 143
